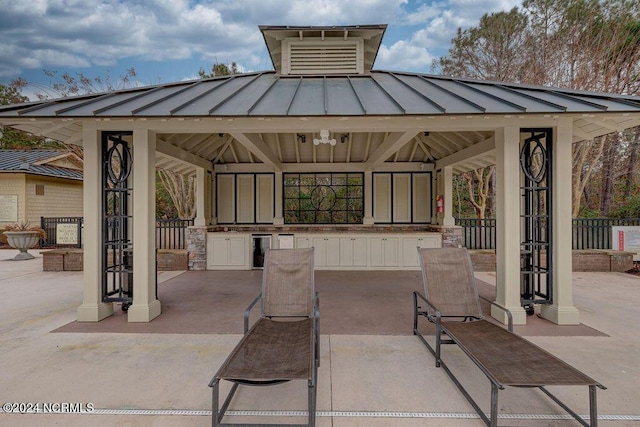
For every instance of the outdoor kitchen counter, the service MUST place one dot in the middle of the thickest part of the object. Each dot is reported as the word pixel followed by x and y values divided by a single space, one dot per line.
pixel 335 247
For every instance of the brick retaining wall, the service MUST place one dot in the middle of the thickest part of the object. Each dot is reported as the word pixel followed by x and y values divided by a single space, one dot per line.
pixel 583 260
pixel 72 260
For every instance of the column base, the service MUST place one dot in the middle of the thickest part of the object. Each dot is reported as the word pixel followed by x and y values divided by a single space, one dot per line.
pixel 278 220
pixel 560 315
pixel 144 313
pixel 368 220
pixel 518 313
pixel 94 313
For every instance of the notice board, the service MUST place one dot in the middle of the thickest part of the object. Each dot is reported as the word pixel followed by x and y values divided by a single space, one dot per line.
pixel 627 238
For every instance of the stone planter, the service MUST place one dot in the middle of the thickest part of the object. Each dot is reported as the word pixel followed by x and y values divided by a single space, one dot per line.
pixel 22 240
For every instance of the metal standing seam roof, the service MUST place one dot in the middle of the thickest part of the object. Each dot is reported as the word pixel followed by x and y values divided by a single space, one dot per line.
pixel 22 161
pixel 378 93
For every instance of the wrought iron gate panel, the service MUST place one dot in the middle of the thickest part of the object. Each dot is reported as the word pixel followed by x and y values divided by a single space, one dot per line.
pixel 117 245
pixel 536 279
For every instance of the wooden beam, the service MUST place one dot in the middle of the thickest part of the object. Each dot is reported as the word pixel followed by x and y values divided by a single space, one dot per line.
pixel 258 147
pixel 476 150
pixel 392 143
pixel 182 155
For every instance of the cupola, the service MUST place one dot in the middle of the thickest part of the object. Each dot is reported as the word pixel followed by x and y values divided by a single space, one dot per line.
pixel 323 50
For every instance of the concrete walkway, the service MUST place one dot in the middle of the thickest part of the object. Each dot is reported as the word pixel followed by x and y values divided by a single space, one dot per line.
pixel 364 380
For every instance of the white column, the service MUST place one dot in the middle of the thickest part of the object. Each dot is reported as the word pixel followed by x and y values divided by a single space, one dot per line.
pixel 368 198
pixel 447 189
pixel 508 225
pixel 562 311
pixel 92 308
pixel 278 218
pixel 214 199
pixel 200 220
pixel 145 305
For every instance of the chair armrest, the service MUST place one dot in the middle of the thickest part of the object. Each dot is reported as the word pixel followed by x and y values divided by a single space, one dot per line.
pixel 505 309
pixel 417 295
pixel 247 312
pixel 316 306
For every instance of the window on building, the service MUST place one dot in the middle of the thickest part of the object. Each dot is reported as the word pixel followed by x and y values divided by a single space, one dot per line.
pixel 323 198
pixel 39 189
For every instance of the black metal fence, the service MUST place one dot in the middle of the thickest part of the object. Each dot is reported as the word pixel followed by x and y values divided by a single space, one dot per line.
pixel 66 232
pixel 478 233
pixel 588 233
pixel 595 233
pixel 172 233
pixel 62 232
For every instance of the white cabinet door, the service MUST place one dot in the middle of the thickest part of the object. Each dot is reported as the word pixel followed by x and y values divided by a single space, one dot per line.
pixel 353 251
pixel 225 252
pixel 218 252
pixel 333 251
pixel 327 251
pixel 303 242
pixel 384 251
pixel 320 251
pixel 237 251
pixel 410 245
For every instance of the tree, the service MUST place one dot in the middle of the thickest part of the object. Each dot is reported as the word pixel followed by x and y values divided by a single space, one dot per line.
pixel 577 44
pixel 15 139
pixel 182 190
pixel 489 51
pixel 80 84
pixel 478 186
pixel 12 93
pixel 219 69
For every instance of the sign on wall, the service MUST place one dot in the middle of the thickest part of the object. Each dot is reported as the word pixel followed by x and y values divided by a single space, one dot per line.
pixel 627 238
pixel 8 208
pixel 67 234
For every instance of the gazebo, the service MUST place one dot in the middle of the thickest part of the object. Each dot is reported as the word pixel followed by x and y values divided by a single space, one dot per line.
pixel 324 151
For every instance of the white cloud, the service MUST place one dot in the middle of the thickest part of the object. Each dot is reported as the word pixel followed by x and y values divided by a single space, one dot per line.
pixel 68 34
pixel 403 56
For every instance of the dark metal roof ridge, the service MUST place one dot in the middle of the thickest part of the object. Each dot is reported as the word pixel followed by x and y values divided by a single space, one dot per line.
pixel 243 87
pixel 203 94
pixel 326 101
pixel 417 92
pixel 526 95
pixel 578 100
pixel 261 97
pixel 355 92
pixel 191 84
pixel 124 101
pixel 38 106
pixel 518 85
pixel 490 95
pixel 455 95
pixel 388 95
pixel 294 95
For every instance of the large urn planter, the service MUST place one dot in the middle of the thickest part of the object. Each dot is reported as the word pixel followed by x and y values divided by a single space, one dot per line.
pixel 22 240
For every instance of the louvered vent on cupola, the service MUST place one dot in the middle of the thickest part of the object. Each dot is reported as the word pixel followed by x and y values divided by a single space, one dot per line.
pixel 323 56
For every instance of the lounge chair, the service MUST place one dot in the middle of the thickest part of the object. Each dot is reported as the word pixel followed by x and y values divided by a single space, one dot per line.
pixel 283 344
pixel 452 303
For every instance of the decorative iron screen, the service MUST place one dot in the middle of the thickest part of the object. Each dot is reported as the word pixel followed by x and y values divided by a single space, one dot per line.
pixel 323 198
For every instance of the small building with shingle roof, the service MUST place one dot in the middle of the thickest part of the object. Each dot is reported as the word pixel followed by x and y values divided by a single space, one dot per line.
pixel 39 183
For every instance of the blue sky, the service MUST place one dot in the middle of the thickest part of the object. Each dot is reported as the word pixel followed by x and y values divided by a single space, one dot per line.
pixel 169 40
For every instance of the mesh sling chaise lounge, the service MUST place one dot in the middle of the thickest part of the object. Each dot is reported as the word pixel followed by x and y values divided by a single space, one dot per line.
pixel 451 302
pixel 282 344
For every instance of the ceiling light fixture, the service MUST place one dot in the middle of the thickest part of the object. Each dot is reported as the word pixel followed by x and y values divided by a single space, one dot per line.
pixel 324 138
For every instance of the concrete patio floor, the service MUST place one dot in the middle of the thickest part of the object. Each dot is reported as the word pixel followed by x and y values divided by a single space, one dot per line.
pixel 148 378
